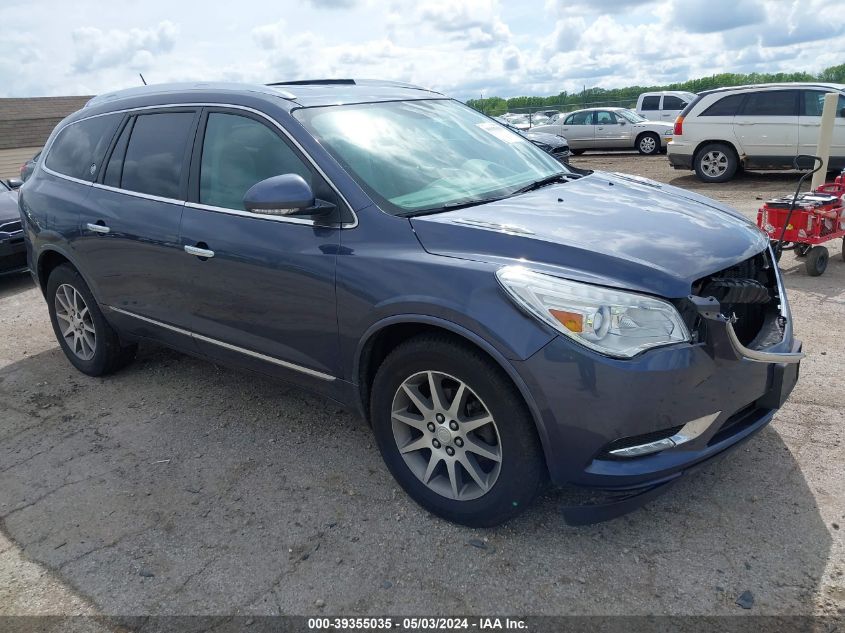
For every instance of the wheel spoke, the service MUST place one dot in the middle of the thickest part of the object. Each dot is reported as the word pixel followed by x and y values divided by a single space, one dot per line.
pixel 405 418
pixel 438 398
pixel 432 464
pixel 416 445
pixel 63 316
pixel 479 448
pixel 471 466
pixel 451 468
pixel 458 402
pixel 63 302
pixel 468 426
pixel 89 341
pixel 68 330
pixel 416 397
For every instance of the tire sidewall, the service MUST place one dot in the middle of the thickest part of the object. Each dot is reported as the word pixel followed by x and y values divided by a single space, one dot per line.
pixel 729 172
pixel 102 353
pixel 521 467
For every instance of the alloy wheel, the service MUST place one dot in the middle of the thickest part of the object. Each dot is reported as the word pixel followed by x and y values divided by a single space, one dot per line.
pixel 714 163
pixel 446 435
pixel 75 322
pixel 647 144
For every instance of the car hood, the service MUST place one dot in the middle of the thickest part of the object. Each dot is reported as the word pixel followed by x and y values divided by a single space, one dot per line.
pixel 553 140
pixel 609 229
pixel 9 206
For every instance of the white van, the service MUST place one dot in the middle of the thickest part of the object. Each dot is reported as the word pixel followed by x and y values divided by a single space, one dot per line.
pixel 663 106
pixel 763 126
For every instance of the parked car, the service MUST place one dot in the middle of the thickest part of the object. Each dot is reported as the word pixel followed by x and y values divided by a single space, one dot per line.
pixel 754 127
pixel 498 317
pixel 553 144
pixel 12 246
pixel 663 106
pixel 28 167
pixel 610 128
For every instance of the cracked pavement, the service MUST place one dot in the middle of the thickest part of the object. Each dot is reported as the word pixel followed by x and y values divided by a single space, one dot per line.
pixel 181 487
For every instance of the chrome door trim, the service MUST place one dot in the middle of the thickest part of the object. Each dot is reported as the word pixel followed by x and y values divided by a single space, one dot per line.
pixel 138 194
pixel 259 216
pixel 267 117
pixel 229 346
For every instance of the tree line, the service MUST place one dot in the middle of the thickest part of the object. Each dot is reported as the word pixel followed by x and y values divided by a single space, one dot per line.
pixel 628 96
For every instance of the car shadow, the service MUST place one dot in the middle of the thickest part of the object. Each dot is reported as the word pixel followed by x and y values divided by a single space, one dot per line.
pixel 176 486
pixel 15 283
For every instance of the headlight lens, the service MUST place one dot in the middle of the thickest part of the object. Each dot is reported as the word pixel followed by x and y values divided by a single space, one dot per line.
pixel 613 322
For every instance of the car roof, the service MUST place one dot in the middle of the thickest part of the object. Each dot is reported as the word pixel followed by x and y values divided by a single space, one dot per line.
pixel 795 84
pixel 291 94
pixel 610 108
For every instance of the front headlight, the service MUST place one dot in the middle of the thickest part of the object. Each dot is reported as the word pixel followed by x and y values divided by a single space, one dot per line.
pixel 613 322
pixel 668 132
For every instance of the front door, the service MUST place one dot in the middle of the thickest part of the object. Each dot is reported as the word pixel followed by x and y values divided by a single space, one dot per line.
pixel 612 130
pixel 579 130
pixel 129 233
pixel 262 289
pixel 767 128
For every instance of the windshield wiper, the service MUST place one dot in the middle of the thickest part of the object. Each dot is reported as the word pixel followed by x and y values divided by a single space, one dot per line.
pixel 451 206
pixel 545 182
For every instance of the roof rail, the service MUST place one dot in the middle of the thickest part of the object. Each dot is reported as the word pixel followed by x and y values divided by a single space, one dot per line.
pixel 350 82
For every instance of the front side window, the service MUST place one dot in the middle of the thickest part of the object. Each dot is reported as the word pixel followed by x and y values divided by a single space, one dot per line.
pixel 651 103
pixel 238 152
pixel 632 116
pixel 79 147
pixel 771 103
pixel 156 152
pixel 671 102
pixel 580 118
pixel 605 118
pixel 427 155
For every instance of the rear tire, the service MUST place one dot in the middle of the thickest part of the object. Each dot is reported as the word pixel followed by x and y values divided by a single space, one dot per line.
pixel 817 260
pixel 715 162
pixel 577 152
pixel 86 338
pixel 648 144
pixel 429 443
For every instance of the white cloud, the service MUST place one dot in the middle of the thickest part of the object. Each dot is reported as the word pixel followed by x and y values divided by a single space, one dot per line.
pixel 95 49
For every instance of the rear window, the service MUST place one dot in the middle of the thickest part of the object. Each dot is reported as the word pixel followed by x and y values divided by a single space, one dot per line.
pixel 726 106
pixel 79 147
pixel 156 152
pixel 771 103
pixel 812 103
pixel 651 103
pixel 673 103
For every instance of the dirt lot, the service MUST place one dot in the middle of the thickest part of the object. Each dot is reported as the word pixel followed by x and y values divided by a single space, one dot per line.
pixel 178 486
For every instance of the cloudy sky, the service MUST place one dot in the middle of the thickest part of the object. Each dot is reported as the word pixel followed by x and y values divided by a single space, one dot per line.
pixel 462 47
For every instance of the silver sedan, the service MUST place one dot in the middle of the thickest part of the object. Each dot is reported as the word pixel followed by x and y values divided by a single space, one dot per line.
pixel 610 128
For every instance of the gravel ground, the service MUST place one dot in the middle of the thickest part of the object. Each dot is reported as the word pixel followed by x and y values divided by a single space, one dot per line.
pixel 181 487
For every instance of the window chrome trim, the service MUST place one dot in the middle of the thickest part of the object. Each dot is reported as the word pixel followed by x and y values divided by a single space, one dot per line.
pixel 138 194
pixel 257 216
pixel 229 346
pixel 267 117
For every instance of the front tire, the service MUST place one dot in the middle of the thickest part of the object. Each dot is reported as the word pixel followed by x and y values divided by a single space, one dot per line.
pixel 455 433
pixel 817 260
pixel 648 144
pixel 86 338
pixel 715 162
pixel 577 152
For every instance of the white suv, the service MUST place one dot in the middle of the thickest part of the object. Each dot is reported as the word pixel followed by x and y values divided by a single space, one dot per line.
pixel 664 105
pixel 754 127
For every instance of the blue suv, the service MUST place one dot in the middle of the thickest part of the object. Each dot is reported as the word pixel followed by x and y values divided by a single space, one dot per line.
pixel 500 318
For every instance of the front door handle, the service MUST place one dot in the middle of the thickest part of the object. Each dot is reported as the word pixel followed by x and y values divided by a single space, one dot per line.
pixel 98 228
pixel 202 253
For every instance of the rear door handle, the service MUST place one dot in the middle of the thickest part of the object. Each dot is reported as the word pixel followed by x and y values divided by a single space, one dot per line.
pixel 97 228
pixel 199 252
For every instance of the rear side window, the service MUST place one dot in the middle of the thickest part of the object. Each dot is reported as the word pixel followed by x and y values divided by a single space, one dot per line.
pixel 726 106
pixel 238 152
pixel 79 147
pixel 812 103
pixel 673 103
pixel 580 118
pixel 771 103
pixel 156 152
pixel 651 103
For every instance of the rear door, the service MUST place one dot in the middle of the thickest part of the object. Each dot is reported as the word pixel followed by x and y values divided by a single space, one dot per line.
pixel 650 107
pixel 809 121
pixel 130 232
pixel 671 107
pixel 266 297
pixel 767 127
pixel 580 130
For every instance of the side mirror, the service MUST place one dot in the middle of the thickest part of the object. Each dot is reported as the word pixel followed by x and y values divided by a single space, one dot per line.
pixel 14 183
pixel 285 195
pixel 621 122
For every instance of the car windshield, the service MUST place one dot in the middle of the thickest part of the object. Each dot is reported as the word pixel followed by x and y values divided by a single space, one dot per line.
pixel 428 155
pixel 632 116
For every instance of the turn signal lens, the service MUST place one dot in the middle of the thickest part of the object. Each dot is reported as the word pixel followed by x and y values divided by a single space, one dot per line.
pixel 572 321
pixel 679 126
